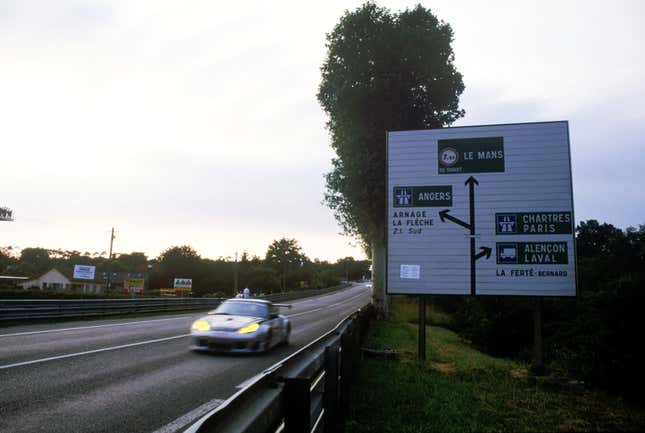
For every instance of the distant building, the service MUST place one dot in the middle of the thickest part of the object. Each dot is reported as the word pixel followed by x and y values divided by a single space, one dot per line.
pixel 10 281
pixel 116 279
pixel 57 280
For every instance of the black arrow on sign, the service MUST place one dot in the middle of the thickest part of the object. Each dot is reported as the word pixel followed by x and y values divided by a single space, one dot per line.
pixel 444 216
pixel 471 182
pixel 485 252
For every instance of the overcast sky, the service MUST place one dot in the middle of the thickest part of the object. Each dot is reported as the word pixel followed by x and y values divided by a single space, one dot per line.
pixel 197 122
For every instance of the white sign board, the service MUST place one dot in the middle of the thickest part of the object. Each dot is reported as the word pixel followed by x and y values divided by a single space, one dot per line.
pixel 183 283
pixel 82 272
pixel 482 210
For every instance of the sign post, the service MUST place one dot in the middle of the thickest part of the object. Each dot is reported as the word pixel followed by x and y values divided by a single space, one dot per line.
pixel 481 210
pixel 422 328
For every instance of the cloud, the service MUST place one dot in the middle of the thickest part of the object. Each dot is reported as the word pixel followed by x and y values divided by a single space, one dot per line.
pixel 68 20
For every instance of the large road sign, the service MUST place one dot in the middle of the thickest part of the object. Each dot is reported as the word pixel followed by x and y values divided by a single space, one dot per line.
pixel 485 210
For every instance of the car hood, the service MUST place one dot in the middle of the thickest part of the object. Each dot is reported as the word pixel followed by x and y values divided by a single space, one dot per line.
pixel 225 322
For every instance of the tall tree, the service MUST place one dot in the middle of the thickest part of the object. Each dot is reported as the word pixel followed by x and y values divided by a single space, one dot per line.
pixel 180 262
pixel 7 261
pixel 285 255
pixel 384 71
pixel 35 261
pixel 133 262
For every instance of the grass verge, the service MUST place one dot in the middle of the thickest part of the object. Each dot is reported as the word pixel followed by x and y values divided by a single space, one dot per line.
pixel 459 389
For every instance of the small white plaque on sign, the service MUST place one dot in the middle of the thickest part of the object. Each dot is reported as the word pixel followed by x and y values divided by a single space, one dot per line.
pixel 412 272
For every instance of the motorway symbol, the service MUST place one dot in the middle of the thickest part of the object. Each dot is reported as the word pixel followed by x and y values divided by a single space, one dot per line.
pixel 486 251
pixel 403 196
pixel 506 223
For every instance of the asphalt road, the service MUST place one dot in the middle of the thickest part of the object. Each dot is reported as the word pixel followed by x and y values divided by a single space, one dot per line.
pixel 135 375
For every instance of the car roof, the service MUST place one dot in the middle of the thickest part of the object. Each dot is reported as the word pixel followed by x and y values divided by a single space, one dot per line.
pixel 253 301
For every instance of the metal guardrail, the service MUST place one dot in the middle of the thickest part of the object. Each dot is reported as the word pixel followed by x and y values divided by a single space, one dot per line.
pixel 298 294
pixel 306 392
pixel 18 309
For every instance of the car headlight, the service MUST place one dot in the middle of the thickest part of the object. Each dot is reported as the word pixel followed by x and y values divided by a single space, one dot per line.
pixel 201 325
pixel 249 328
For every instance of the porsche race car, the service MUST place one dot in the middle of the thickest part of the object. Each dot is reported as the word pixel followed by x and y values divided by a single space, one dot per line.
pixel 241 325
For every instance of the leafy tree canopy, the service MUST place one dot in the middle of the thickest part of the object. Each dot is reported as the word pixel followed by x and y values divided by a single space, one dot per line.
pixel 384 71
pixel 285 255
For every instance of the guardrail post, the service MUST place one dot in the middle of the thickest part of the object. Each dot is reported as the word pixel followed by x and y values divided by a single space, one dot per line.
pixel 333 420
pixel 297 404
pixel 345 372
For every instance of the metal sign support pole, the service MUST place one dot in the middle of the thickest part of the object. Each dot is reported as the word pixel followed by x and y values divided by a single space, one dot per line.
pixel 422 328
pixel 538 344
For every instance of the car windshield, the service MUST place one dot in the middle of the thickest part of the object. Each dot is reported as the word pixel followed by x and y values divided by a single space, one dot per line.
pixel 252 309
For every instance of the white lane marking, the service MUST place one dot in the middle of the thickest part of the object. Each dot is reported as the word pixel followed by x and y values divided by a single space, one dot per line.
pixel 90 327
pixel 88 352
pixel 304 312
pixel 346 300
pixel 189 417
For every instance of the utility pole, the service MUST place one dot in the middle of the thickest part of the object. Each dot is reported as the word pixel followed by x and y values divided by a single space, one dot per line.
pixel 109 274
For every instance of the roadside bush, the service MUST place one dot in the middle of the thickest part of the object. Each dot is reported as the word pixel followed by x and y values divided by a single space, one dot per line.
pixel 594 337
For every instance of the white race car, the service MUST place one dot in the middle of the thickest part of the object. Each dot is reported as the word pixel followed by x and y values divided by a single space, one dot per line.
pixel 242 326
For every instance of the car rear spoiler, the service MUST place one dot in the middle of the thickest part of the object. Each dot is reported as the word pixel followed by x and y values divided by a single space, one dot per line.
pixel 283 305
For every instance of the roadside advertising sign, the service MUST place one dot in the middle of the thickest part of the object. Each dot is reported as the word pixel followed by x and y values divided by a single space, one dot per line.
pixel 183 283
pixel 82 272
pixel 166 292
pixel 133 285
pixel 481 210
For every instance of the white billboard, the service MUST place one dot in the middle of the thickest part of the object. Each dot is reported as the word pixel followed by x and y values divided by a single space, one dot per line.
pixel 82 272
pixel 183 283
pixel 482 210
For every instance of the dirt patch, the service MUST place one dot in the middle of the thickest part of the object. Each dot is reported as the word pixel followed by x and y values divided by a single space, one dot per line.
pixel 443 367
pixel 519 373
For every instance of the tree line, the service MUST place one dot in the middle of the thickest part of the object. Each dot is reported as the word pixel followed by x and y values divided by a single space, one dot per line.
pixel 284 267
